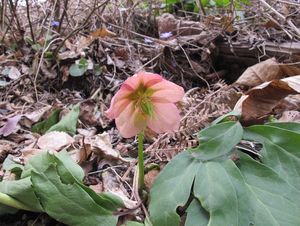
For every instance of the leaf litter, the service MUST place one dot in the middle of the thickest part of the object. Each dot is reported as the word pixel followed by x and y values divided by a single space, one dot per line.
pixel 204 57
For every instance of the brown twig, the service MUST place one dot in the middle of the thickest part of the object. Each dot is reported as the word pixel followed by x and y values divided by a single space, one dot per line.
pixel 29 21
pixel 62 16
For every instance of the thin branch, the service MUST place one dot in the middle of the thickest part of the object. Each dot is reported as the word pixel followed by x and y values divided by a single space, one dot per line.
pixel 29 21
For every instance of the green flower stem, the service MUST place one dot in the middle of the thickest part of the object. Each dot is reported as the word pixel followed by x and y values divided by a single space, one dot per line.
pixel 9 201
pixel 141 160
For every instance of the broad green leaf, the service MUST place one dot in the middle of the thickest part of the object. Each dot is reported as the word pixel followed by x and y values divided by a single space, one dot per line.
pixel 68 122
pixel 169 2
pixel 13 167
pixel 172 189
pixel 43 126
pixel 76 71
pixel 133 223
pixel 280 150
pixel 222 3
pixel 22 191
pixel 292 126
pixel 38 163
pixel 196 215
pixel 225 117
pixel 220 188
pixel 69 203
pixel 275 202
pixel 68 168
pixel 218 140
pixel 205 3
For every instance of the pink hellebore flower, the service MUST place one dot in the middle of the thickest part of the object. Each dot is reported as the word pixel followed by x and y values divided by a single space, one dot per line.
pixel 146 100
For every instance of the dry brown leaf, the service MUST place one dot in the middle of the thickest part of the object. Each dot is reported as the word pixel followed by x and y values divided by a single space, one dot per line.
pixel 98 188
pixel 54 141
pixel 150 178
pixel 101 145
pixel 36 115
pixel 266 71
pixel 102 33
pixel 111 184
pixel 14 73
pixel 89 113
pixel 260 101
pixel 290 116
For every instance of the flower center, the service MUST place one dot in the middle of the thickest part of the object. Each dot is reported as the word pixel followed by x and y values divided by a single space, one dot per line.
pixel 142 100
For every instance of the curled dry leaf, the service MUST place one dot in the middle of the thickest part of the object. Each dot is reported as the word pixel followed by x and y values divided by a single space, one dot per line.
pixel 111 184
pixel 265 71
pixel 54 141
pixel 260 101
pixel 10 125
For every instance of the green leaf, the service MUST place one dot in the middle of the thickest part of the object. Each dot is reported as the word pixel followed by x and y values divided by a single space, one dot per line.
pixel 43 126
pixel 22 191
pixel 13 167
pixel 274 201
pixel 170 2
pixel 68 168
pixel 218 140
pixel 196 215
pixel 76 71
pixel 220 188
pixel 133 223
pixel 205 3
pixel 222 3
pixel 245 192
pixel 280 150
pixel 292 126
pixel 225 117
pixel 69 203
pixel 68 122
pixel 172 189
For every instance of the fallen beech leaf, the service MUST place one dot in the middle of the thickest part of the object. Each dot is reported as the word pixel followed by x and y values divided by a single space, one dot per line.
pixel 150 178
pixel 54 141
pixel 102 33
pixel 266 71
pixel 101 145
pixel 290 116
pixel 35 116
pixel 111 184
pixel 260 100
pixel 89 113
pixel 14 73
pixel 10 125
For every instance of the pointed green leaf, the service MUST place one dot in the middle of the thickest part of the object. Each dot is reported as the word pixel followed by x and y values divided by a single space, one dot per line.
pixel 196 214
pixel 172 189
pixel 280 150
pixel 69 203
pixel 275 202
pixel 220 188
pixel 218 140
pixel 22 191
pixel 68 122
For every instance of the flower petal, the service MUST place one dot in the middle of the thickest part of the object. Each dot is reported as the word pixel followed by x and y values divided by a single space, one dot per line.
pixel 167 92
pixel 130 122
pixel 149 79
pixel 166 118
pixel 118 103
